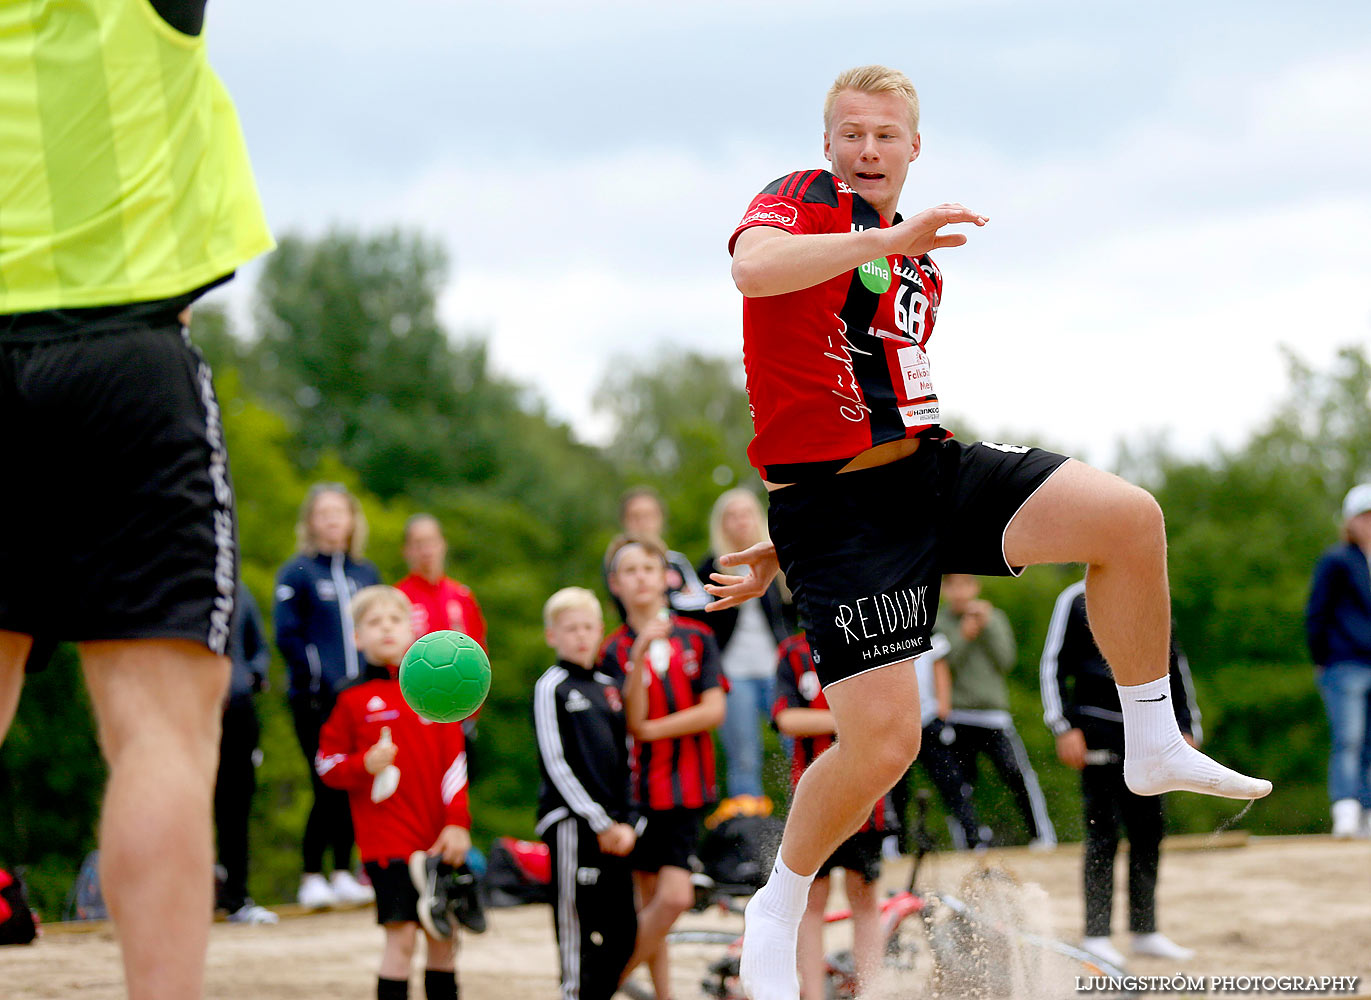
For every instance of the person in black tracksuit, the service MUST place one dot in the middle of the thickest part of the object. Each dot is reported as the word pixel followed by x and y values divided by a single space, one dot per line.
pixel 585 811
pixel 237 778
pixel 1081 707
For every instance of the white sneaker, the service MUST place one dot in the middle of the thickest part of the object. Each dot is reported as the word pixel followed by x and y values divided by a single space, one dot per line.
pixel 1347 818
pixel 1042 845
pixel 251 913
pixel 349 890
pixel 315 893
pixel 1103 949
pixel 1158 945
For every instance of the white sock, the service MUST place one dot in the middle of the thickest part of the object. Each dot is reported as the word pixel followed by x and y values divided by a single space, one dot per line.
pixel 1156 757
pixel 771 923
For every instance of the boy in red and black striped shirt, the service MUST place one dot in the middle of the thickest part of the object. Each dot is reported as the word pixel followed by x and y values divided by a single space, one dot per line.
pixel 674 699
pixel 801 712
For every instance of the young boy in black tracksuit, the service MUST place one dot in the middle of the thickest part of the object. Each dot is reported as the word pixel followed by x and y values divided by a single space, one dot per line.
pixel 1081 707
pixel 584 810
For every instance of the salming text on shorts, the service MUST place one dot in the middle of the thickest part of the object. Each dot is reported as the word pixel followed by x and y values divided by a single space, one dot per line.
pixel 864 551
pixel 116 518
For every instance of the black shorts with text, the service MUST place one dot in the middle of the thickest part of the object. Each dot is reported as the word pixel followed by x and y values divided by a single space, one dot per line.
pixel 116 517
pixel 864 552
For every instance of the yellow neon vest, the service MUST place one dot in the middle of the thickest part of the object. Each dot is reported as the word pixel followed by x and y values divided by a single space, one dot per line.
pixel 123 172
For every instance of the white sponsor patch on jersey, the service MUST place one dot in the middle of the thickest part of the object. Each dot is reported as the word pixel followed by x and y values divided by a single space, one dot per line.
pixel 577 702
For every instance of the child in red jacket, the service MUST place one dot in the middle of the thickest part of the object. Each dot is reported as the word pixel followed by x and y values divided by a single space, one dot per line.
pixel 406 781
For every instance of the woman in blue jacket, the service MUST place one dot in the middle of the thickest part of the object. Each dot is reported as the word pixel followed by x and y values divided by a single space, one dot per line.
pixel 1338 625
pixel 315 635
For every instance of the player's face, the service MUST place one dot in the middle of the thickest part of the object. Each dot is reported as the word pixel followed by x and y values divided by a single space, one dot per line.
pixel 330 522
pixel 870 145
pixel 384 633
pixel 643 516
pixel 426 549
pixel 1359 529
pixel 740 523
pixel 575 635
pixel 639 578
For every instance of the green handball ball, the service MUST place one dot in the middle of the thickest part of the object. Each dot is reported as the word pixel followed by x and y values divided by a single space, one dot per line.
pixel 445 676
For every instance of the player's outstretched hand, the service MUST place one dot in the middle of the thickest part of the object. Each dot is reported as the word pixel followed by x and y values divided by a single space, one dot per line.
pixel 452 844
pixel 730 591
pixel 921 233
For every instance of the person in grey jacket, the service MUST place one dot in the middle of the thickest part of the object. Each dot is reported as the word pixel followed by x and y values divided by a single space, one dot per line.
pixel 1338 627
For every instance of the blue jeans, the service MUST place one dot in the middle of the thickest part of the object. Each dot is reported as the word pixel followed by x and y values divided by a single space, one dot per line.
pixel 749 708
pixel 1346 690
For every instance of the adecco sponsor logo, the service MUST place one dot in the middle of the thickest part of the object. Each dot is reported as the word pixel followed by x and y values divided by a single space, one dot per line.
pixel 774 213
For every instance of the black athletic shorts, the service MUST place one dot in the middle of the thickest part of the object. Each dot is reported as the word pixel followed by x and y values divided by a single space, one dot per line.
pixel 864 552
pixel 116 514
pixel 671 837
pixel 859 854
pixel 397 898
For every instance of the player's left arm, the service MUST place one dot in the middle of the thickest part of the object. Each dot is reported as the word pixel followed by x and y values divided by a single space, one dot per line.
pixel 999 638
pixel 339 762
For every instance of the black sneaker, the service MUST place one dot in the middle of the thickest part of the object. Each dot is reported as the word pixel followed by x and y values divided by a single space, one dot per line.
pixel 430 877
pixel 464 899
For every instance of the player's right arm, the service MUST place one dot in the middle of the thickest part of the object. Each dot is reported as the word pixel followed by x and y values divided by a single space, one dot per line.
pixel 772 261
pixel 337 761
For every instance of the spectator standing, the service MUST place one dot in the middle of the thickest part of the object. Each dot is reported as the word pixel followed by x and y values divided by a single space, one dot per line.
pixel 801 712
pixel 314 631
pixel 1081 707
pixel 585 806
pixel 673 700
pixel 236 782
pixel 414 829
pixel 748 636
pixel 980 655
pixel 642 514
pixel 1338 627
pixel 440 602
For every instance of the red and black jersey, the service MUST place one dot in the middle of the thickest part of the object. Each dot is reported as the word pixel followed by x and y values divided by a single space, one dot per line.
pixel 674 773
pixel 797 686
pixel 431 757
pixel 838 367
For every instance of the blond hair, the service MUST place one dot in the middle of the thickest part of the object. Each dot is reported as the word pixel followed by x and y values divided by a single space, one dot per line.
pixel 357 538
pixel 567 599
pixel 874 80
pixel 369 598
pixel 719 544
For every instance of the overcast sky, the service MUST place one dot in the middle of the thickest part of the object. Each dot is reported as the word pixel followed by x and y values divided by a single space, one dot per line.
pixel 1174 189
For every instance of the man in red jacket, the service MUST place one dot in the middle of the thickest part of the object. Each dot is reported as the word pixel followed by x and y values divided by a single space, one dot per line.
pixel 440 602
pixel 406 780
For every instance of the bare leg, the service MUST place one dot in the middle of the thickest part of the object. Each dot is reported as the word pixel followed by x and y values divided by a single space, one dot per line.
pixel 158 706
pixel 14 650
pixel 1085 515
pixel 668 894
pixel 440 956
pixel 810 942
pixel 877 718
pixel 867 947
pixel 398 951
